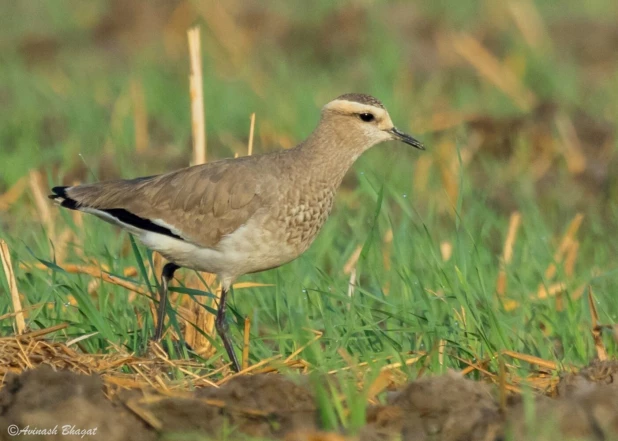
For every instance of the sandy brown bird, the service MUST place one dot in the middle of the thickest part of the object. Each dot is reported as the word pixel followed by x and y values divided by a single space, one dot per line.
pixel 239 216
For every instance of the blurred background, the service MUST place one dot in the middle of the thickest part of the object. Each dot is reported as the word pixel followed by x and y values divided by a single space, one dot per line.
pixel 516 101
pixel 522 89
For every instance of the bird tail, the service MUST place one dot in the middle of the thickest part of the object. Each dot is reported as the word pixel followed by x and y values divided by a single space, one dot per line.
pixel 61 197
pixel 109 206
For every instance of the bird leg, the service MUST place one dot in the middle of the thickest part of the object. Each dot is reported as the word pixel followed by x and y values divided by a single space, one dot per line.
pixel 166 276
pixel 223 328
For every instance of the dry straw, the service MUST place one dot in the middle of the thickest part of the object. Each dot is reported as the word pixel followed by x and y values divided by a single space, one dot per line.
pixel 596 328
pixel 251 130
pixel 197 97
pixel 41 202
pixel 493 70
pixel 507 253
pixel 246 342
pixel 530 23
pixel 5 255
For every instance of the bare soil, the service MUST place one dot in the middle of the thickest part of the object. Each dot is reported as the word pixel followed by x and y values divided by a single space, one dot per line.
pixel 448 407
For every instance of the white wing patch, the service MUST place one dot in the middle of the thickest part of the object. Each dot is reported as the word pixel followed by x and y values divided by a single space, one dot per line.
pixel 112 220
pixel 172 228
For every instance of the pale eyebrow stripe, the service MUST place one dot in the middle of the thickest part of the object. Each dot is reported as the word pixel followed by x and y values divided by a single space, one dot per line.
pixel 353 107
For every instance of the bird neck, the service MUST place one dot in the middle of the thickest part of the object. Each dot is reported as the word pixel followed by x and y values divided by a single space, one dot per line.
pixel 329 152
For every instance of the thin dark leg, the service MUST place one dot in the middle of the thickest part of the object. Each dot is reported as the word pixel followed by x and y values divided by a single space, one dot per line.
pixel 166 276
pixel 222 330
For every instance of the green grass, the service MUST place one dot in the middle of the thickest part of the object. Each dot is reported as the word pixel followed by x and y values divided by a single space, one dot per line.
pixel 71 116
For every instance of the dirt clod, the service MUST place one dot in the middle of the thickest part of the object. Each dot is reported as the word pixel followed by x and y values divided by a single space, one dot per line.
pixel 269 393
pixel 592 415
pixel 258 405
pixel 449 407
pixel 441 408
pixel 69 402
pixel 596 373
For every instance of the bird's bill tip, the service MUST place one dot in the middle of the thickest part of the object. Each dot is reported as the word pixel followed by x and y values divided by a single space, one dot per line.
pixel 404 137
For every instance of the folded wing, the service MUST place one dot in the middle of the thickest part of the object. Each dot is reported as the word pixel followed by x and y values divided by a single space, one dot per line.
pixel 199 204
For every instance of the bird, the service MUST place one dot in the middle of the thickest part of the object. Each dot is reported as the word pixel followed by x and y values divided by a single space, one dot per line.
pixel 243 215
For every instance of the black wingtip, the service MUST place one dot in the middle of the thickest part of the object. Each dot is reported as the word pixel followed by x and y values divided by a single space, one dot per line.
pixel 60 195
pixel 69 203
pixel 59 191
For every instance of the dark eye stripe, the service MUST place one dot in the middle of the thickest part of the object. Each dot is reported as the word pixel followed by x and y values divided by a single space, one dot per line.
pixel 367 117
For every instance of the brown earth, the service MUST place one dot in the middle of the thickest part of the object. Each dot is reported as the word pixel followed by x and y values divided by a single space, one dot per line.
pixel 448 407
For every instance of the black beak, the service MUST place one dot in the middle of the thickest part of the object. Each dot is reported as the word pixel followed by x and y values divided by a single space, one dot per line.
pixel 407 139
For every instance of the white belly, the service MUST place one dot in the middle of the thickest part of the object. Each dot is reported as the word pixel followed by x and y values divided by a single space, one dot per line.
pixel 246 250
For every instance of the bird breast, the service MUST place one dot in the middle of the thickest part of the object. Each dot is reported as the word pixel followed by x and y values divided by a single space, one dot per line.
pixel 304 215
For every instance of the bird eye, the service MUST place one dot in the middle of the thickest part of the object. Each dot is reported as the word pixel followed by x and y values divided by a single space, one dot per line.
pixel 367 117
